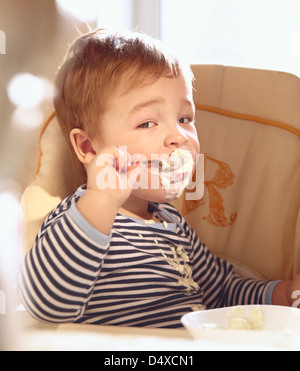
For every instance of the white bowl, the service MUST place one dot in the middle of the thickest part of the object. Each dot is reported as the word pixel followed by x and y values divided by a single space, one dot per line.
pixel 281 326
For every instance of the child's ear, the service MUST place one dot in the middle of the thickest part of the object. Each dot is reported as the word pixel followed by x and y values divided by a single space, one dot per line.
pixel 82 146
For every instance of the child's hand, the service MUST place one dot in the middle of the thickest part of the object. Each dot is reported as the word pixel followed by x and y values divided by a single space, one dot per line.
pixel 111 176
pixel 113 173
pixel 287 293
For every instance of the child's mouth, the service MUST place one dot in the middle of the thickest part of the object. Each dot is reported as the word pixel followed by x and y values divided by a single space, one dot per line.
pixel 176 173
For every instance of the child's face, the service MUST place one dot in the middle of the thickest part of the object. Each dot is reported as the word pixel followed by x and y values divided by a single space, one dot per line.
pixel 152 120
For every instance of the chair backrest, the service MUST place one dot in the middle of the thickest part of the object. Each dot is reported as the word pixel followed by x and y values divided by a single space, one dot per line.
pixel 56 179
pixel 248 124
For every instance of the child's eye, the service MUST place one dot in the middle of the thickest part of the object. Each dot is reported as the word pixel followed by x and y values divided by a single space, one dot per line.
pixel 147 125
pixel 185 120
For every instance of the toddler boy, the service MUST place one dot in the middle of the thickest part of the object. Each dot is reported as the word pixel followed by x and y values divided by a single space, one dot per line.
pixel 116 252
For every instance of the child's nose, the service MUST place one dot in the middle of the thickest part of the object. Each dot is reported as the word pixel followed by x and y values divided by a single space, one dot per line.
pixel 176 137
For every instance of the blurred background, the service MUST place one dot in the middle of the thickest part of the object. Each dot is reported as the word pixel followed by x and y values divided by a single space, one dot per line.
pixel 35 34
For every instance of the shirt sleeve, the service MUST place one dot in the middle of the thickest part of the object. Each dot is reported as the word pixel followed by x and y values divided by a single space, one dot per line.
pixel 58 274
pixel 220 284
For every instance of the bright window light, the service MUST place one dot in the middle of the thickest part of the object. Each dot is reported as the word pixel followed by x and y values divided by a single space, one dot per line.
pixel 249 33
pixel 115 14
pixel 27 118
pixel 84 10
pixel 26 90
pixel 9 232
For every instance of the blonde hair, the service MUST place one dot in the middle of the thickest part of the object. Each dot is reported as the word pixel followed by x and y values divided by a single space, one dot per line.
pixel 96 63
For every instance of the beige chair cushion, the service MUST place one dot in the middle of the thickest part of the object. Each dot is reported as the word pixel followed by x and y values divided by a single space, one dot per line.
pixel 248 123
pixel 56 179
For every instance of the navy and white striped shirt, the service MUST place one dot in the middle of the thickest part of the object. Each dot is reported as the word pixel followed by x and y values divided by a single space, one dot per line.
pixel 143 274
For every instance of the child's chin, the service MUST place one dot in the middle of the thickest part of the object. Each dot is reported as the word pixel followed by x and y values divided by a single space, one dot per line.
pixel 159 196
pixel 170 196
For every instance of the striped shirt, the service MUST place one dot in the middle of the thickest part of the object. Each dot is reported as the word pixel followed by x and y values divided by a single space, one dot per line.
pixel 142 274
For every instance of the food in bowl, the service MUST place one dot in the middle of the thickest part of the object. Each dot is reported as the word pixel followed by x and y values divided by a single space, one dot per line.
pixel 239 320
pixel 257 326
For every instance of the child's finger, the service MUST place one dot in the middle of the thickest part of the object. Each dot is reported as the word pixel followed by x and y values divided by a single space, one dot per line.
pixel 123 160
pixel 105 159
pixel 134 172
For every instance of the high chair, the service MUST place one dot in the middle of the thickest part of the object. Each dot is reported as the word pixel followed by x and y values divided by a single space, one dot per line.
pixel 248 124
